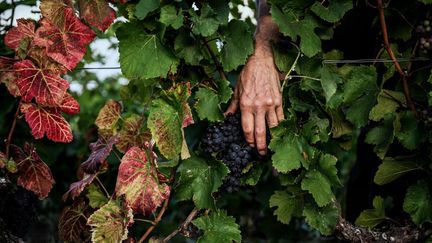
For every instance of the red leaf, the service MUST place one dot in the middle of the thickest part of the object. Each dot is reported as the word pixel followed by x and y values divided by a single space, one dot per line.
pixel 132 133
pixel 39 83
pixel 101 149
pixel 73 222
pixel 25 28
pixel 3 160
pixel 97 13
pixel 49 121
pixel 138 181
pixel 76 188
pixel 69 105
pixel 54 10
pixel 8 76
pixel 66 42
pixel 34 174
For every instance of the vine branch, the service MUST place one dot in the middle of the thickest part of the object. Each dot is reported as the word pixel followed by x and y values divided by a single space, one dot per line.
pixel 404 77
pixel 183 226
pixel 218 65
pixel 11 131
pixel 155 222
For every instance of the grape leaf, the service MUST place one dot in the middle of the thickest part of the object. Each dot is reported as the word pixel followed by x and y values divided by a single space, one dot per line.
pixel 138 181
pixel 372 217
pixel 132 134
pixel 110 223
pixel 418 202
pixel 142 55
pixel 329 81
pixel 96 198
pixel 224 90
pixel 146 6
pixel 25 29
pixel 54 10
pixel 287 204
pixel 47 121
pixel 207 23
pixel 69 105
pixel 409 134
pixel 100 150
pixel 199 179
pixel 166 127
pixel 47 87
pixel 323 219
pixel 393 168
pixel 319 186
pixel 334 11
pixel 290 26
pixel 238 44
pixel 180 94
pixel 327 166
pixel 73 222
pixel 188 48
pixel 3 160
pixel 382 136
pixel 207 105
pixel 9 77
pixel 290 150
pixel 218 227
pixel 76 188
pixel 34 174
pixel 65 42
pixel 97 13
pixel 107 118
pixel 426 1
pixel 171 17
pixel 388 102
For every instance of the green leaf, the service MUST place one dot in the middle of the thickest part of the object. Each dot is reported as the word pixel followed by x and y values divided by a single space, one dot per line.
pixel 335 10
pixel 409 134
pixel 188 48
pixel 207 105
pixel 171 17
pixel 164 122
pixel 372 217
pixel 199 179
pixel 142 55
pixel 382 136
pixel 110 223
pixel 207 23
pixel 329 81
pixel 287 204
pixel 426 1
pixel 238 44
pixel 418 202
pixel 323 219
pixel 319 186
pixel 252 177
pixel 340 126
pixel 291 151
pixel 144 7
pixel 224 90
pixel 315 130
pixel 327 166
pixel 218 228
pixel 96 198
pixel 393 168
pixel 290 26
pixel 388 102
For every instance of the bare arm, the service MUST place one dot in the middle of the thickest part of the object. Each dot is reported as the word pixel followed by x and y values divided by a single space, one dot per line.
pixel 258 90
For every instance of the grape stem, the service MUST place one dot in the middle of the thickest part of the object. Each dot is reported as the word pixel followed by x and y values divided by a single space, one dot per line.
pixel 387 46
pixel 183 226
pixel 216 62
pixel 155 222
pixel 11 131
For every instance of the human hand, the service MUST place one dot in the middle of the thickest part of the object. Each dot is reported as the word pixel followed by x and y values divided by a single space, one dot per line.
pixel 258 93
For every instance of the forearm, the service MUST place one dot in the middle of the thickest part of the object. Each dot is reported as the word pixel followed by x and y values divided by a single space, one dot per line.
pixel 266 31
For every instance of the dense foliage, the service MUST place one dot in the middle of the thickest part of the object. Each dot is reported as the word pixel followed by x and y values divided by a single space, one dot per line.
pixel 163 161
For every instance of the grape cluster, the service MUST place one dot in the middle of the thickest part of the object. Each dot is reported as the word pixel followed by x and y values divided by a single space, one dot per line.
pixel 226 141
pixel 424 30
pixel 18 210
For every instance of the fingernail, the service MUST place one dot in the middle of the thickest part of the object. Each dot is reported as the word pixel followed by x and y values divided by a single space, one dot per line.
pixel 252 145
pixel 262 152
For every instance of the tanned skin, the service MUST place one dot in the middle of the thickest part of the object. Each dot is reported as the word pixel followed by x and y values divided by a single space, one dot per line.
pixel 258 90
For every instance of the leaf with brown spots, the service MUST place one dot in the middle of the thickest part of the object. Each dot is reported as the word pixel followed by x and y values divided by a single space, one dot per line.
pixel 107 118
pixel 25 29
pixel 34 175
pixel 73 222
pixel 132 133
pixel 8 76
pixel 97 13
pixel 138 181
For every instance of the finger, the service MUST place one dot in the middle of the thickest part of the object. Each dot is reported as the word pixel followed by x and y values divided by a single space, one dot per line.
pixel 280 113
pixel 247 119
pixel 272 119
pixel 260 133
